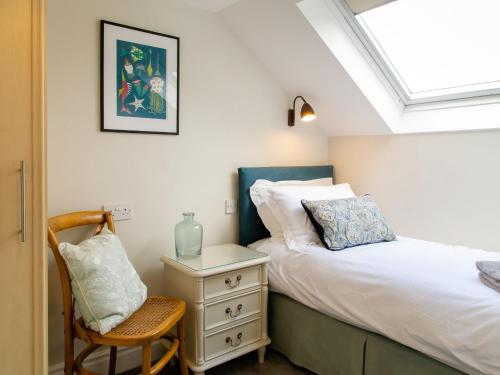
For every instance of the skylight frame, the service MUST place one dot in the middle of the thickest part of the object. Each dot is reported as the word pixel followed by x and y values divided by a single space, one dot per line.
pixel 382 63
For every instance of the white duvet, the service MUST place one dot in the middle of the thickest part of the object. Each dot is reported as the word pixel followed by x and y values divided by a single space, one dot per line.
pixel 422 294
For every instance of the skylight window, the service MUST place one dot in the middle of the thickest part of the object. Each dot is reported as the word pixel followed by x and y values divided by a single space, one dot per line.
pixel 435 50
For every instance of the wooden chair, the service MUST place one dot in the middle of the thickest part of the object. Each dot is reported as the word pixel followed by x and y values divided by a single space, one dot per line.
pixel 151 322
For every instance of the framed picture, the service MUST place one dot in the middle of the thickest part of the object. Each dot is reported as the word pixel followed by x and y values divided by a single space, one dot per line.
pixel 139 80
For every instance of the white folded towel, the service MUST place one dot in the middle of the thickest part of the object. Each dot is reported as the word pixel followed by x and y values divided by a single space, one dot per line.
pixel 490 268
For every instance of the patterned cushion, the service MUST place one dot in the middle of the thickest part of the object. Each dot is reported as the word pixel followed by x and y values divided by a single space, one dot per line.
pixel 106 286
pixel 348 222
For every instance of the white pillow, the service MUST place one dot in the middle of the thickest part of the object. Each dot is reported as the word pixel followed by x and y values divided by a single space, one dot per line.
pixel 106 286
pixel 259 193
pixel 284 202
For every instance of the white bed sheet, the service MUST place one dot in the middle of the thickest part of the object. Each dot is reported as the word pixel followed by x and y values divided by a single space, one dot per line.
pixel 422 294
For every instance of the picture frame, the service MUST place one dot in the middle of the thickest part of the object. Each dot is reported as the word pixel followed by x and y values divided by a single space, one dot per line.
pixel 139 80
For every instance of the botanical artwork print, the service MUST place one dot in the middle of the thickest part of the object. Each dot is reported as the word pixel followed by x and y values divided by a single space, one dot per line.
pixel 141 80
pixel 348 222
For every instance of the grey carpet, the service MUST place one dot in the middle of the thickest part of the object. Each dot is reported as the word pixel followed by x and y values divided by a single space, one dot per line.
pixel 275 364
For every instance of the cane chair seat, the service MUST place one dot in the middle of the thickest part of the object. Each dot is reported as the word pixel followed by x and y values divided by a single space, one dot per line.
pixel 153 320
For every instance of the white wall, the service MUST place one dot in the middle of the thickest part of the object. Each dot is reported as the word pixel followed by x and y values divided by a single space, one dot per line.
pixel 232 114
pixel 442 187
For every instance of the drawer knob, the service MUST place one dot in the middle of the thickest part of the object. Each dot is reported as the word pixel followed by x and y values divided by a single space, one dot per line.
pixel 229 340
pixel 230 284
pixel 238 311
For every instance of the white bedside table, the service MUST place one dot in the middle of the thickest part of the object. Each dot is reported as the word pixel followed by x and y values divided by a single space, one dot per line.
pixel 226 294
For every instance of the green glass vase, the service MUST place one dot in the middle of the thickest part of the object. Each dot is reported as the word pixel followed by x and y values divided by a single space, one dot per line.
pixel 188 236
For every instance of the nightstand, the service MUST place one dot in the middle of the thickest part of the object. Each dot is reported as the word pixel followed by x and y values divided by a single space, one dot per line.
pixel 226 294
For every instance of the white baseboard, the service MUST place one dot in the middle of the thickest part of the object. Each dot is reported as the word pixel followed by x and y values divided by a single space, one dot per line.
pixel 127 359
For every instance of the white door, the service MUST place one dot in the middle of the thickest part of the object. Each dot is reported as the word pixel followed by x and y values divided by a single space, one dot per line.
pixel 22 317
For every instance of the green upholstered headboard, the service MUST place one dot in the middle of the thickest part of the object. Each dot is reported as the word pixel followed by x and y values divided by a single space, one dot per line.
pixel 251 227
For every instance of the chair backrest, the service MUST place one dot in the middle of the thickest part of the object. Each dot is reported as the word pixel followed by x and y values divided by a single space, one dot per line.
pixel 67 221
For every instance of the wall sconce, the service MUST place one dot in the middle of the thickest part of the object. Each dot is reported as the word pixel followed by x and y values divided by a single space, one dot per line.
pixel 306 113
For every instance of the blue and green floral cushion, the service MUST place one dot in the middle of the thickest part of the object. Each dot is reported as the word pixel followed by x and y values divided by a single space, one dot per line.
pixel 348 222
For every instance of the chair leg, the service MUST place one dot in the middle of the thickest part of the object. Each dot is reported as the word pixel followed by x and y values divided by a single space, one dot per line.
pixel 182 353
pixel 69 353
pixel 68 363
pixel 112 361
pixel 146 359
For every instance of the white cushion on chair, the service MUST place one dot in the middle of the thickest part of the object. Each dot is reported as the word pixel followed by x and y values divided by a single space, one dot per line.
pixel 106 286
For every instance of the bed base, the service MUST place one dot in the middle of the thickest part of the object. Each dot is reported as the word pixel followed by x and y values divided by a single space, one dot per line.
pixel 327 346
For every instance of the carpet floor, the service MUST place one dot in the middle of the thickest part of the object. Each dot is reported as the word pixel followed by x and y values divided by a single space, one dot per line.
pixel 275 364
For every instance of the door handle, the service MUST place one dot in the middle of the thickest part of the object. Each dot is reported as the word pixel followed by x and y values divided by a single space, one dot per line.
pixel 22 171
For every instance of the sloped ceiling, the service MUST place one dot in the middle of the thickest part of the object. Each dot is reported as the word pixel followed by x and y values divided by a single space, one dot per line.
pixel 304 56
pixel 210 5
pixel 282 39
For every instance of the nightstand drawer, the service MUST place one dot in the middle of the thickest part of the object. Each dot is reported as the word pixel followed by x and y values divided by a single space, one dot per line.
pixel 231 281
pixel 231 339
pixel 236 308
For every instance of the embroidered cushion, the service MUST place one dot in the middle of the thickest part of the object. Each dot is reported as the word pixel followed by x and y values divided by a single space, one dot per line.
pixel 348 222
pixel 106 286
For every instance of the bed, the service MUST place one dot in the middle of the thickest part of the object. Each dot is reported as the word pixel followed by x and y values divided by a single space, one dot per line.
pixel 335 330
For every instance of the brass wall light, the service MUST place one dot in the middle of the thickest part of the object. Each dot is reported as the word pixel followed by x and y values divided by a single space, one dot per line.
pixel 306 113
